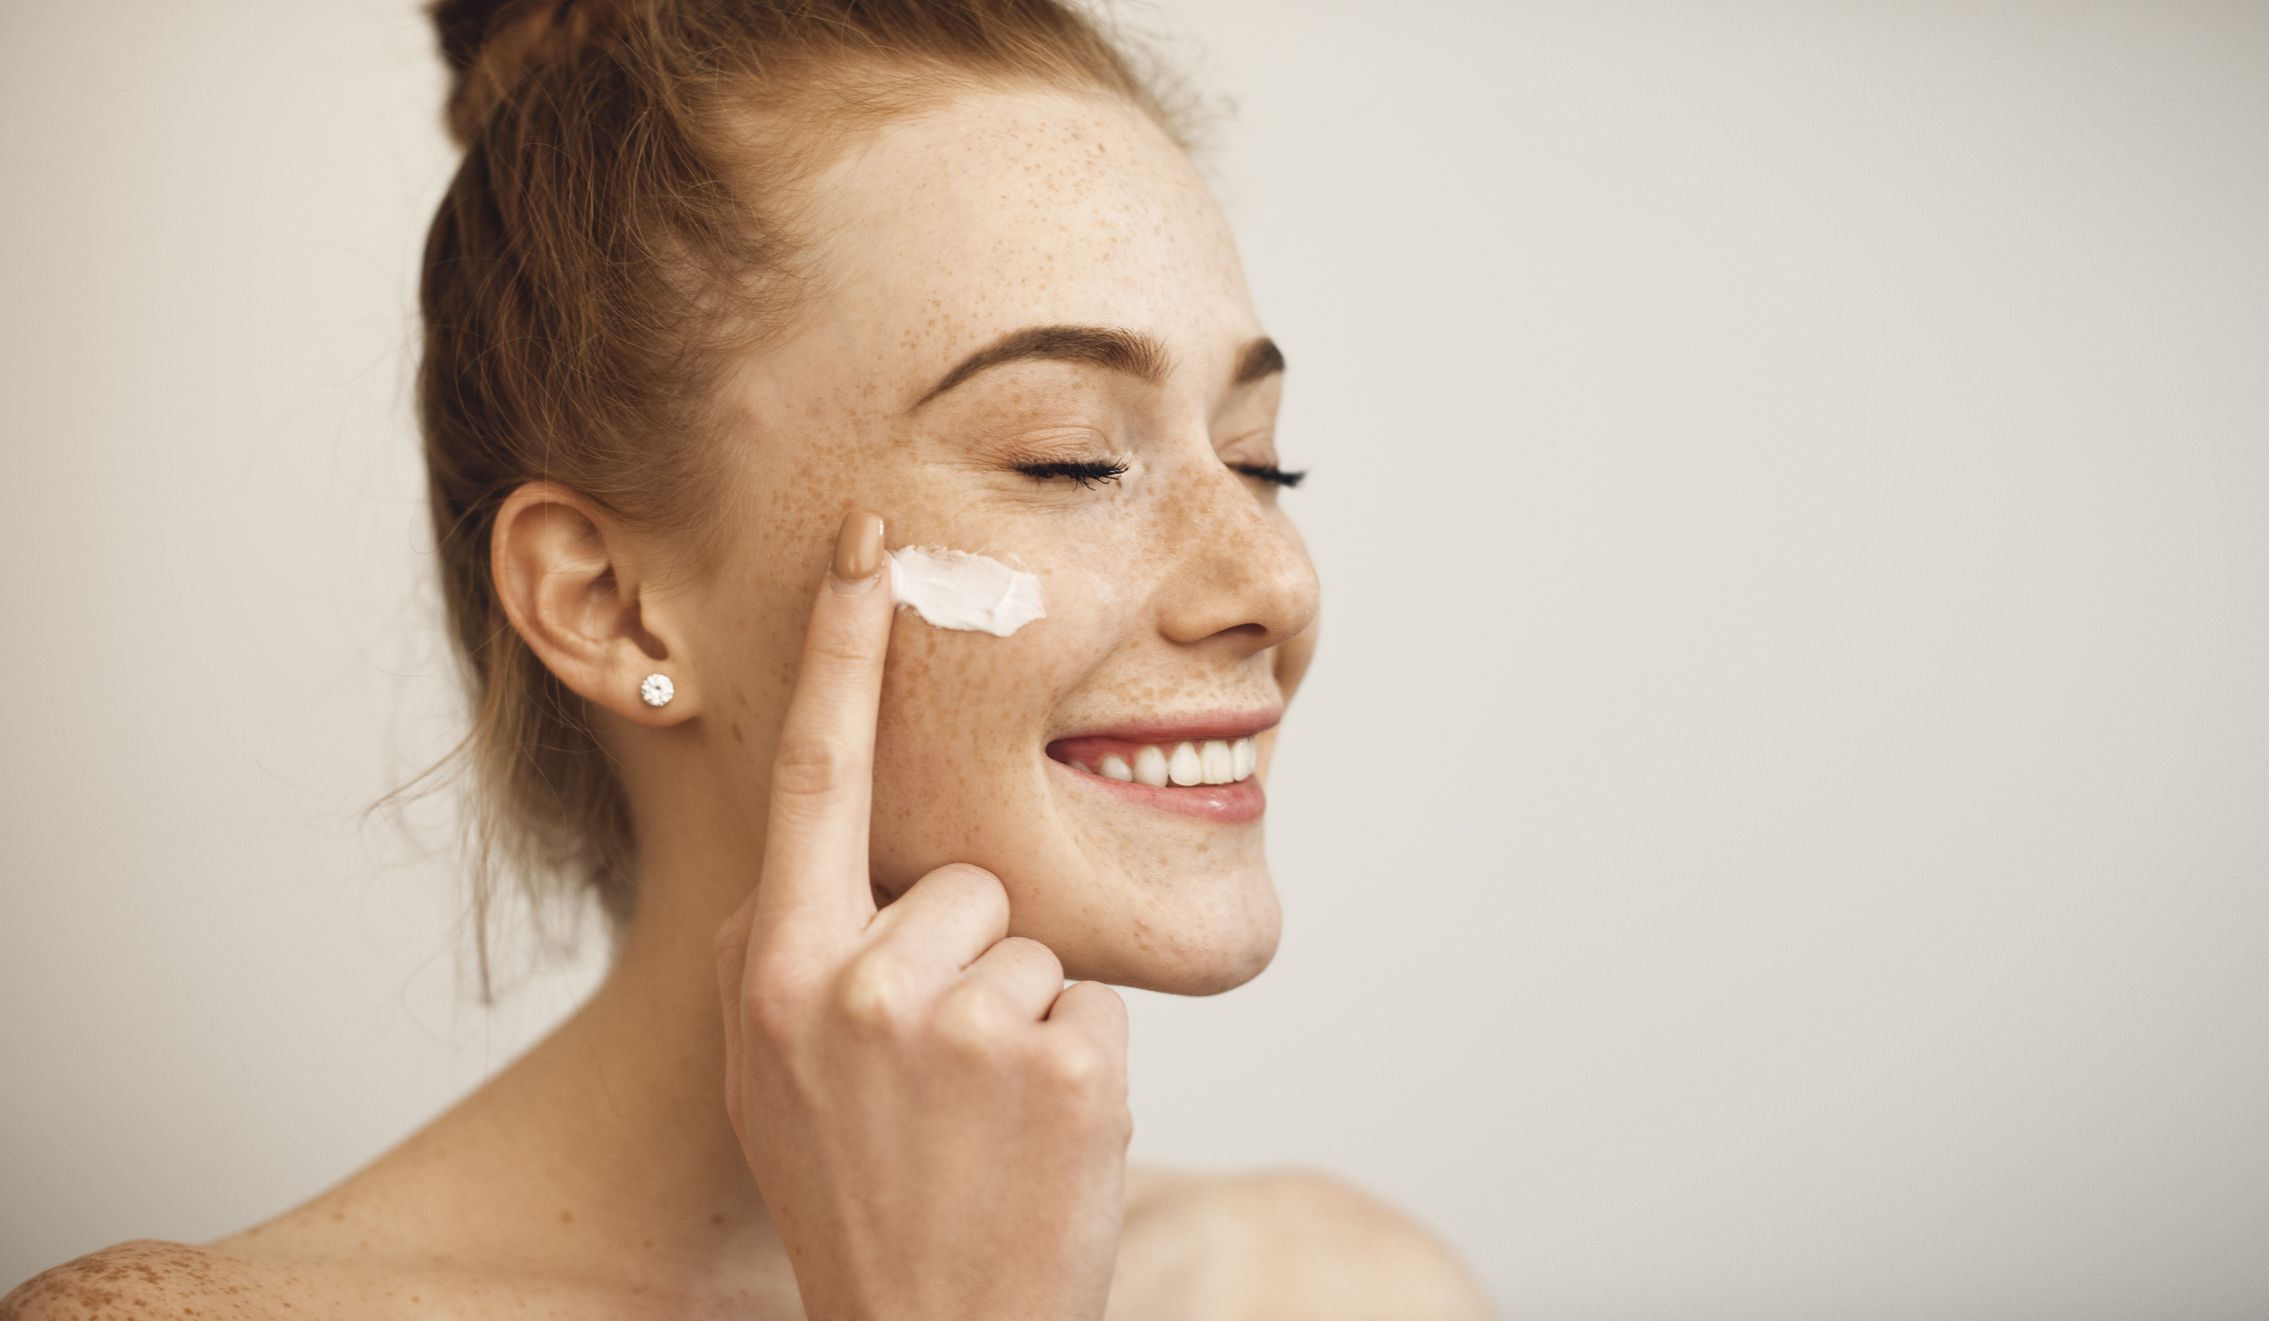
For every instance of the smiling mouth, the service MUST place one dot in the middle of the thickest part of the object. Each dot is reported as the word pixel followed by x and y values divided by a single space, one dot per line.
pixel 1189 764
pixel 1235 799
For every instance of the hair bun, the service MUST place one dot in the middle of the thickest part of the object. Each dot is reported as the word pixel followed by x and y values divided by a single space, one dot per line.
pixel 487 45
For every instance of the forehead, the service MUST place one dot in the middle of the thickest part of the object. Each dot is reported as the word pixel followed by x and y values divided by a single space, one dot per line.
pixel 1000 211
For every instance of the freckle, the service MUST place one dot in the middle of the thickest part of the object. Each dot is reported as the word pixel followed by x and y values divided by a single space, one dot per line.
pixel 717 1219
pixel 567 1217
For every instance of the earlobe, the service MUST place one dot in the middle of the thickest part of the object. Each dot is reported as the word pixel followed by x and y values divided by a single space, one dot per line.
pixel 568 576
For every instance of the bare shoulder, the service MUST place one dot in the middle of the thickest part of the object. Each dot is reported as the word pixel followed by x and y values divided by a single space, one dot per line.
pixel 1315 1246
pixel 237 1277
pixel 136 1278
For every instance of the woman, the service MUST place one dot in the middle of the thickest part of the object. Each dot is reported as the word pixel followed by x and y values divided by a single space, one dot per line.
pixel 726 293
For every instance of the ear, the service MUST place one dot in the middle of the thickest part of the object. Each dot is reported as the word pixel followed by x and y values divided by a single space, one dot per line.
pixel 569 577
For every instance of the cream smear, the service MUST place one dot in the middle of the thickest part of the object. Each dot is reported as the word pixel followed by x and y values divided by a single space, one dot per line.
pixel 958 589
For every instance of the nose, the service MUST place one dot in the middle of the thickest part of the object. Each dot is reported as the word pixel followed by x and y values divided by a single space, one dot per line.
pixel 1240 569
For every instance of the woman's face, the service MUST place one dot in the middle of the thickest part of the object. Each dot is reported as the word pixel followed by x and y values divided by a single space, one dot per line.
pixel 1179 590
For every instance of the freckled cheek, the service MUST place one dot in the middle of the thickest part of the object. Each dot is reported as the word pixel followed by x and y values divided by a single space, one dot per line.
pixel 958 754
pixel 950 694
pixel 932 690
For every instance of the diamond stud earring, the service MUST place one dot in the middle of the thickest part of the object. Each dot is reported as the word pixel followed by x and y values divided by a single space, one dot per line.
pixel 657 690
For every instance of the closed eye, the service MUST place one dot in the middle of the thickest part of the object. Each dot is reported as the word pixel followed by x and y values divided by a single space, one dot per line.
pixel 1080 471
pixel 1085 472
pixel 1269 472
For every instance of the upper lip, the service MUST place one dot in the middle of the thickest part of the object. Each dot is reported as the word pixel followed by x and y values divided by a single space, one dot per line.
pixel 1195 728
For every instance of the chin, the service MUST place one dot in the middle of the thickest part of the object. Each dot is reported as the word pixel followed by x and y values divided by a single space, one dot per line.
pixel 1205 954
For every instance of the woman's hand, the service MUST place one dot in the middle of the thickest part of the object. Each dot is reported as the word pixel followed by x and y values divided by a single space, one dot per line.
pixel 937 1124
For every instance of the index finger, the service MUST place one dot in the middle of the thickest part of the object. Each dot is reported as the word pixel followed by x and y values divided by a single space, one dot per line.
pixel 815 839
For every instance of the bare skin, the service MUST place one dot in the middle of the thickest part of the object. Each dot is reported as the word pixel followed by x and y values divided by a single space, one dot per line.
pixel 599 1175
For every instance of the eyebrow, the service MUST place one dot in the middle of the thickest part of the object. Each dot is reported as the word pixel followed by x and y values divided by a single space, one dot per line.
pixel 1129 351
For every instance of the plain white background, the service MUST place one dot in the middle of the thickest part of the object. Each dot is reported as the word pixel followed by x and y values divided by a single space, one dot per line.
pixel 1779 823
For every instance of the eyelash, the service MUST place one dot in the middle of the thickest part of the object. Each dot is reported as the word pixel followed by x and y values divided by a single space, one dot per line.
pixel 1085 472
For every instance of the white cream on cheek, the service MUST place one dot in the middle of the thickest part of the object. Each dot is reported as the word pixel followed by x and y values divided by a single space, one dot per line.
pixel 960 589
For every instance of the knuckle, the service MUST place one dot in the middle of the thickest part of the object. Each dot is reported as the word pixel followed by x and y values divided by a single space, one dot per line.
pixel 973 1024
pixel 873 998
pixel 972 884
pixel 841 646
pixel 811 767
pixel 768 1004
pixel 1113 1004
pixel 1107 1007
pixel 1079 1072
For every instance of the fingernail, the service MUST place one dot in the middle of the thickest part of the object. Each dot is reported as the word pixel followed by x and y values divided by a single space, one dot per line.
pixel 858 552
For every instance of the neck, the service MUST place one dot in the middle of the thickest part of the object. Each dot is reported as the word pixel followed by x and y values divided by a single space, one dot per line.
pixel 615 1123
pixel 651 1042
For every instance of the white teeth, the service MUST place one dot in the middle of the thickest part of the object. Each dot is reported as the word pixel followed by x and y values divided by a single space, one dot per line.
pixel 1213 761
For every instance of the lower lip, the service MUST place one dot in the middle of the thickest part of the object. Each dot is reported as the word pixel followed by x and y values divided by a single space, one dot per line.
pixel 1243 801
